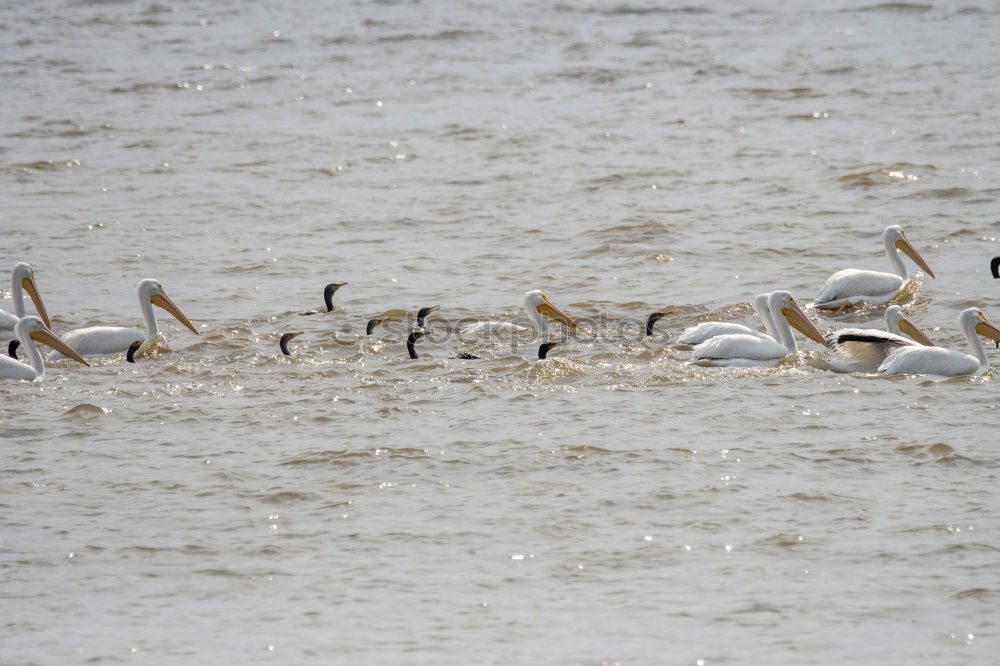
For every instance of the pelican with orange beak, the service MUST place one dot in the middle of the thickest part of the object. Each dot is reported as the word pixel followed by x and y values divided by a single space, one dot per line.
pixel 30 330
pixel 941 362
pixel 744 350
pixel 853 286
pixel 116 339
pixel 22 280
pixel 540 311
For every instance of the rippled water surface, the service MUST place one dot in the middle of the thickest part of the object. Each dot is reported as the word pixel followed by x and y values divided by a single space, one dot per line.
pixel 223 504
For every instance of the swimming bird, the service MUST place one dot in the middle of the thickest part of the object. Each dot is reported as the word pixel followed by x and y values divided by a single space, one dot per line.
pixel 864 349
pixel 707 330
pixel 328 292
pixel 132 349
pixel 544 348
pixel 853 286
pixel 285 339
pixel 743 350
pixel 114 339
pixel 22 279
pixel 941 362
pixel 655 317
pixel 422 314
pixel 29 330
pixel 540 311
pixel 411 340
pixel 995 267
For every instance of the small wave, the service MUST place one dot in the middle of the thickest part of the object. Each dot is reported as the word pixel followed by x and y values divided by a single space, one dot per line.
pixel 893 7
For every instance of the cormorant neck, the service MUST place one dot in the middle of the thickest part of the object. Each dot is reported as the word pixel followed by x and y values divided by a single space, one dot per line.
pixel 653 318
pixel 12 348
pixel 409 346
pixel 328 293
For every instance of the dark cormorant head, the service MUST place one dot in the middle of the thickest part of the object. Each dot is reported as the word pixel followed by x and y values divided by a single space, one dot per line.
pixel 372 323
pixel 422 314
pixel 411 340
pixel 132 349
pixel 995 267
pixel 285 339
pixel 655 317
pixel 328 293
pixel 543 349
pixel 12 348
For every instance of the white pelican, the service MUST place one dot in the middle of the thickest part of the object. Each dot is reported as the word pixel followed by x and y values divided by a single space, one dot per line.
pixel 743 350
pixel 913 360
pixel 22 279
pixel 864 349
pixel 695 335
pixel 114 339
pixel 328 292
pixel 540 311
pixel 30 330
pixel 852 286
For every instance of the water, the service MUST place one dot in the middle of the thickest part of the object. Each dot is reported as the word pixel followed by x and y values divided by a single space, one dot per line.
pixel 223 504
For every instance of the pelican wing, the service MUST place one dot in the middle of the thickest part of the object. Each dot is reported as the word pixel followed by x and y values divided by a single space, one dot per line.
pixel 7 322
pixel 98 340
pixel 739 346
pixel 695 335
pixel 492 326
pixel 865 348
pixel 921 360
pixel 12 369
pixel 857 284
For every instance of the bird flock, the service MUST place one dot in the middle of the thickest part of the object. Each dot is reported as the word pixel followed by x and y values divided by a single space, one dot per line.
pixel 902 349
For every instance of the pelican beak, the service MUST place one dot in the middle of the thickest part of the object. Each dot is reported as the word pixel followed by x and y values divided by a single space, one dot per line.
pixel 798 319
pixel 48 338
pixel 28 284
pixel 550 310
pixel 161 300
pixel 908 250
pixel 908 327
pixel 988 329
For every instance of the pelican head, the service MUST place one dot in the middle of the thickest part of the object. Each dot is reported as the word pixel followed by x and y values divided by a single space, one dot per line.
pixel 781 302
pixel 540 309
pixel 328 292
pixel 33 328
pixel 285 339
pixel 975 319
pixel 897 321
pixel 544 348
pixel 151 291
pixel 23 277
pixel 895 237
